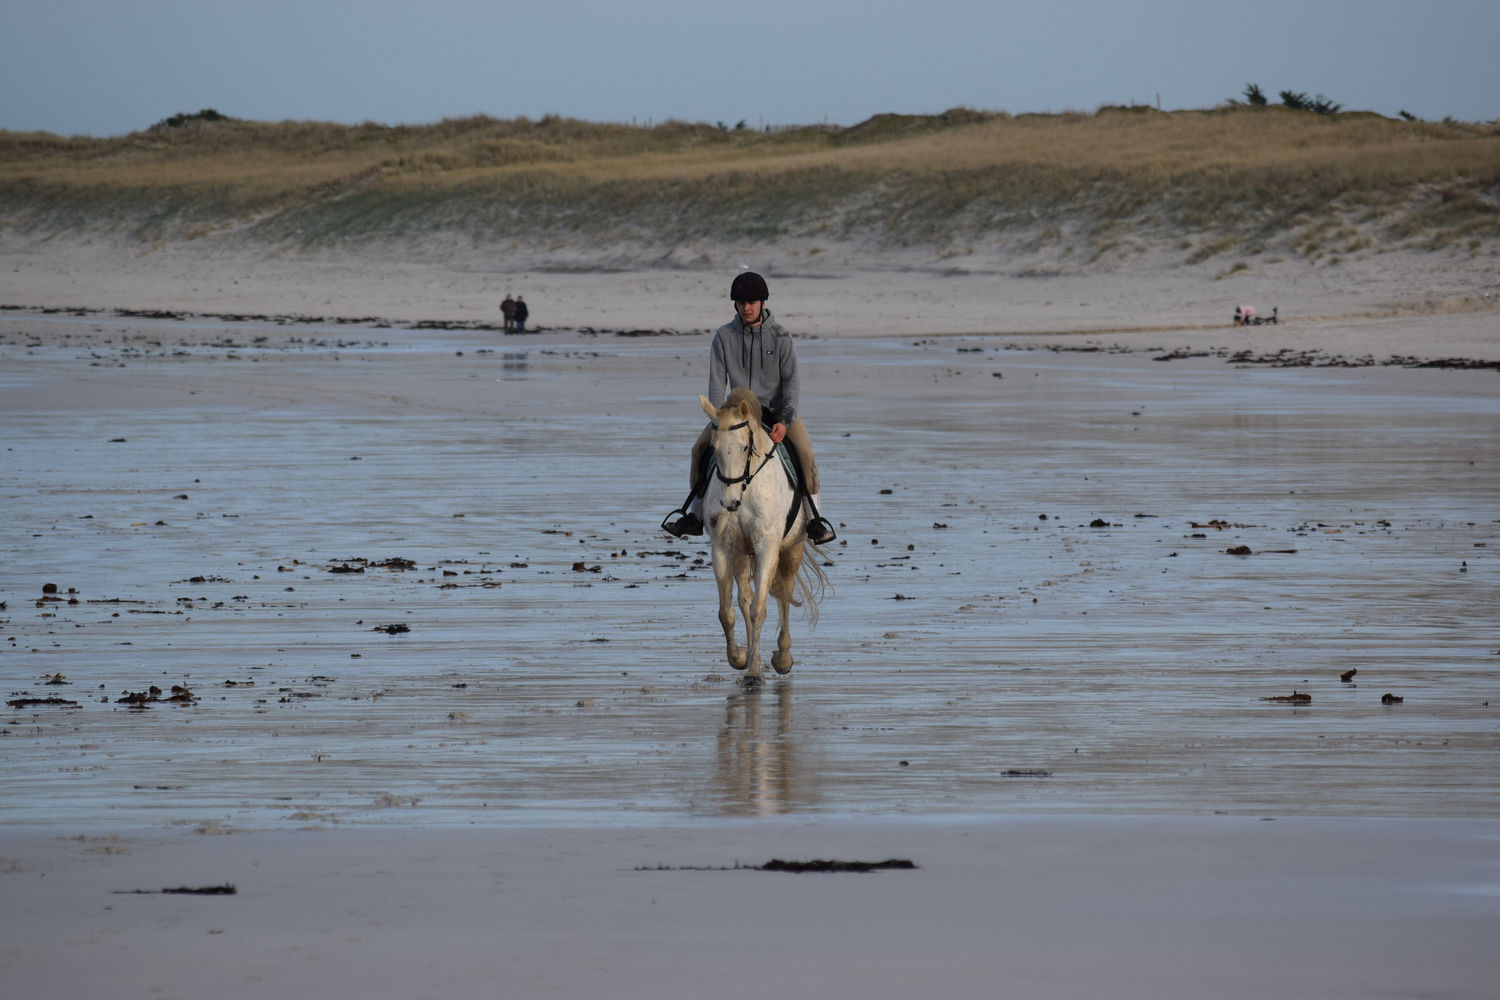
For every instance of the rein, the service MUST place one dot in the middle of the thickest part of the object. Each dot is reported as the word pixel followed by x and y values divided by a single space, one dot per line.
pixel 744 478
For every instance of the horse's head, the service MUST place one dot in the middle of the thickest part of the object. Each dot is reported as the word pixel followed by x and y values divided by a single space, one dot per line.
pixel 736 431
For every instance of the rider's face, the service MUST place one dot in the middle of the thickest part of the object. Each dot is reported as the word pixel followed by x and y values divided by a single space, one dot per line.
pixel 749 311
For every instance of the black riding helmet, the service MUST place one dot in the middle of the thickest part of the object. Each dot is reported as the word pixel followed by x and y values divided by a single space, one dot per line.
pixel 749 287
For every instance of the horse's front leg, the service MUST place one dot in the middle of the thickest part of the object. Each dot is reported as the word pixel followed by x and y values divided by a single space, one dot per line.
pixel 724 575
pixel 755 614
pixel 745 586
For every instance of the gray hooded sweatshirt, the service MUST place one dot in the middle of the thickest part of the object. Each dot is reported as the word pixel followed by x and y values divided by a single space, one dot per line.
pixel 760 358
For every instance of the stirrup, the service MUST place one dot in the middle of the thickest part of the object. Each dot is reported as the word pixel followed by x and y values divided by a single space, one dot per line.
pixel 688 524
pixel 682 526
pixel 820 522
pixel 817 520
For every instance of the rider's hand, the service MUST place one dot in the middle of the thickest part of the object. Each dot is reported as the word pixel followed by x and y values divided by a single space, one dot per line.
pixel 778 431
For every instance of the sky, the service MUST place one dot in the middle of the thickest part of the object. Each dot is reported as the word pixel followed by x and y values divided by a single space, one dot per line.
pixel 110 67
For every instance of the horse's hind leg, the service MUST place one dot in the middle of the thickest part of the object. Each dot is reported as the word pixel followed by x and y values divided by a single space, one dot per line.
pixel 785 591
pixel 782 658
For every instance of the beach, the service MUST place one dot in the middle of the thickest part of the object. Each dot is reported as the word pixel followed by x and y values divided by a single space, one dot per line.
pixel 1164 650
pixel 1013 907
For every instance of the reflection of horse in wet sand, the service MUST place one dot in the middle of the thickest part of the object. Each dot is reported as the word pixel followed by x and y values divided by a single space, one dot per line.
pixel 748 506
pixel 757 770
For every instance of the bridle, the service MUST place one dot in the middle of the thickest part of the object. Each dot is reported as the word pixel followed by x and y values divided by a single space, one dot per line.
pixel 743 478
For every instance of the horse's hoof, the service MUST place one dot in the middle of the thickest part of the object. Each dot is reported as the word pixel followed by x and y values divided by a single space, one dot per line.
pixel 739 660
pixel 782 665
pixel 752 681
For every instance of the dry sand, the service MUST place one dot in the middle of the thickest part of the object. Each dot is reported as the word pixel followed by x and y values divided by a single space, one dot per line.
pixel 845 292
pixel 542 788
pixel 1023 907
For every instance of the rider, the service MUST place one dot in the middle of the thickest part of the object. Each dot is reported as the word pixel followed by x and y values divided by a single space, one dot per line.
pixel 755 352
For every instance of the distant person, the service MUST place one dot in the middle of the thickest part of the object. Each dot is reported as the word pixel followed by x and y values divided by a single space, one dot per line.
pixel 754 352
pixel 521 312
pixel 1247 316
pixel 508 313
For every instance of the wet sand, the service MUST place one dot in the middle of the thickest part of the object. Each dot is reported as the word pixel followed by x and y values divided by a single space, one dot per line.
pixel 1038 638
pixel 1034 602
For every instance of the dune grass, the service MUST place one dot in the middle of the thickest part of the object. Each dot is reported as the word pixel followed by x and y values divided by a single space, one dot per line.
pixel 1231 178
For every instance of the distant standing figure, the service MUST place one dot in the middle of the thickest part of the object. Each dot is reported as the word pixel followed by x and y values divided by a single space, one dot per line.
pixel 508 313
pixel 521 312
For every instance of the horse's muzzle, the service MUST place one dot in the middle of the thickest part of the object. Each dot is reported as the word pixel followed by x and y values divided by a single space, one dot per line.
pixel 731 507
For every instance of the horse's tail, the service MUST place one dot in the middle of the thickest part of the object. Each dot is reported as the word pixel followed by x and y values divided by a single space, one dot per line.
pixel 812 582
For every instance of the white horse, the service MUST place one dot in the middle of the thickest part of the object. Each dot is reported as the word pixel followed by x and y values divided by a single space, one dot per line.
pixel 746 509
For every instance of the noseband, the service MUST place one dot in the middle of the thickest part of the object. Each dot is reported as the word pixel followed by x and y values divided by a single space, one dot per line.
pixel 743 478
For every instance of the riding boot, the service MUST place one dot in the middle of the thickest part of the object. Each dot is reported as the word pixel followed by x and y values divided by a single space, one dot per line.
pixel 819 531
pixel 691 521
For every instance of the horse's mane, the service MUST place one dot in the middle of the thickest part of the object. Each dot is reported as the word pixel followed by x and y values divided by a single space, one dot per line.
pixel 743 395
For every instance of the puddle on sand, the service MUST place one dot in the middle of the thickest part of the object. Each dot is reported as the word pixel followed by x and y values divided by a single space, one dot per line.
pixel 265 520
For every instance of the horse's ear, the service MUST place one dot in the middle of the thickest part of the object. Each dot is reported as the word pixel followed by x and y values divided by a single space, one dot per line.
pixel 744 411
pixel 708 407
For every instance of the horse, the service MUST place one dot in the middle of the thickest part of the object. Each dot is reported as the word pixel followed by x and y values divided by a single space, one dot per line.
pixel 748 504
